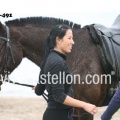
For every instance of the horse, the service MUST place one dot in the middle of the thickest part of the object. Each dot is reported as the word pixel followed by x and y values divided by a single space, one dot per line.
pixel 25 37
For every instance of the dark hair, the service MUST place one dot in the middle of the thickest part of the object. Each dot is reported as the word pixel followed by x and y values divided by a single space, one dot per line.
pixel 50 42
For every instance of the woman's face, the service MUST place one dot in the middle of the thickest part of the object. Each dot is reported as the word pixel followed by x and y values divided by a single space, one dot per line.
pixel 66 43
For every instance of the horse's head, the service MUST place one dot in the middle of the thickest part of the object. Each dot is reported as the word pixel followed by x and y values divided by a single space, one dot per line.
pixel 5 52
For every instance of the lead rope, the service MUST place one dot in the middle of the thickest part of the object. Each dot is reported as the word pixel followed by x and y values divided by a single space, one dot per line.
pixel 44 95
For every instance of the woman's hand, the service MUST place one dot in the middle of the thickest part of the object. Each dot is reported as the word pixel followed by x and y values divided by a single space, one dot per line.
pixel 33 88
pixel 92 109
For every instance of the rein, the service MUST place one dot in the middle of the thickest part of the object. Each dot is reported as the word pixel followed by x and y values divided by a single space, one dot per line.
pixel 27 85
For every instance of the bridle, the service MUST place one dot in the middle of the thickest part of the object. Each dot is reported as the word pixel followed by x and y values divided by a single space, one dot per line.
pixel 8 50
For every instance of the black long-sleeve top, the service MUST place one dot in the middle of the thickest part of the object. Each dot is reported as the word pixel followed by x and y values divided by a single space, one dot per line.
pixel 58 85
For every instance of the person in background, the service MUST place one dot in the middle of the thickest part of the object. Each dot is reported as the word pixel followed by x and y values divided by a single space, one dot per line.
pixel 60 97
pixel 113 106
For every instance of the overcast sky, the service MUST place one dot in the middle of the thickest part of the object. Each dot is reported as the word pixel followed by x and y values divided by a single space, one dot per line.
pixel 79 11
pixel 83 12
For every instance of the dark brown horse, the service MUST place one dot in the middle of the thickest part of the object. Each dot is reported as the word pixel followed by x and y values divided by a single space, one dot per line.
pixel 26 39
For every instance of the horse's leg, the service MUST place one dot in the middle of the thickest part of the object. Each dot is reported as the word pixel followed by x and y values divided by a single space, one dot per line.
pixel 82 115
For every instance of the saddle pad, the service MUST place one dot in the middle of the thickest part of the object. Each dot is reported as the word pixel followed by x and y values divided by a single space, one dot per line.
pixel 111 49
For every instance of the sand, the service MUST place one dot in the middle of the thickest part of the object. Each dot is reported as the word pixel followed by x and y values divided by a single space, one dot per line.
pixel 31 109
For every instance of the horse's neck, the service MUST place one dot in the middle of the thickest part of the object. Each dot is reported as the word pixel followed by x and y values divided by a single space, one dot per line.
pixel 32 40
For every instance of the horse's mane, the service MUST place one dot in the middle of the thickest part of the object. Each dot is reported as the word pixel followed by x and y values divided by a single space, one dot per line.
pixel 41 21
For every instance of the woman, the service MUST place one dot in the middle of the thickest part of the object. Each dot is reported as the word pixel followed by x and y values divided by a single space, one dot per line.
pixel 113 106
pixel 60 98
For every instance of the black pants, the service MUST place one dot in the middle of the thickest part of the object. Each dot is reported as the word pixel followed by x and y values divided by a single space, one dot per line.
pixel 58 114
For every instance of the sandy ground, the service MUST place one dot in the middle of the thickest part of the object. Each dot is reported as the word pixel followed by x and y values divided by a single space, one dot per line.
pixel 31 109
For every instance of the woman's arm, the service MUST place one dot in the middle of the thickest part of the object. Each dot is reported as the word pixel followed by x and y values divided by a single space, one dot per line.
pixel 80 104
